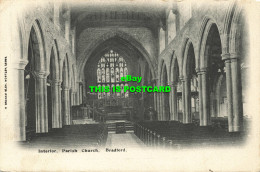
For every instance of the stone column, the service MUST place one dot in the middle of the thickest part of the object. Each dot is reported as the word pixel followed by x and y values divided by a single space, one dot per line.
pixel 73 98
pixel 205 98
pixel 174 102
pixel 237 94
pixel 80 93
pixel 187 114
pixel 183 100
pixel 200 97
pixel 56 111
pixel 41 102
pixel 18 101
pixel 155 101
pixel 66 110
pixel 161 107
pixel 60 104
pixel 170 103
pixel 229 91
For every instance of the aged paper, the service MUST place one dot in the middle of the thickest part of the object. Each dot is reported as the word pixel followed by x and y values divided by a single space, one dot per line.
pixel 41 40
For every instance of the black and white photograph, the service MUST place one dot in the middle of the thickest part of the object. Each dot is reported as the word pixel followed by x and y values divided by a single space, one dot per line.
pixel 129 85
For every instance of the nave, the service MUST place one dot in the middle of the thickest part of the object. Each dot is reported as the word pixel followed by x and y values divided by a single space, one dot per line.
pixel 201 53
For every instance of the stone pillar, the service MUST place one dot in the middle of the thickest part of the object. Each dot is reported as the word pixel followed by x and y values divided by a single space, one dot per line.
pixel 18 101
pixel 237 94
pixel 161 107
pixel 170 103
pixel 205 98
pixel 155 101
pixel 229 93
pixel 75 98
pixel 234 92
pixel 41 102
pixel 183 100
pixel 174 102
pixel 200 97
pixel 56 105
pixel 80 94
pixel 187 114
pixel 72 98
pixel 60 104
pixel 66 106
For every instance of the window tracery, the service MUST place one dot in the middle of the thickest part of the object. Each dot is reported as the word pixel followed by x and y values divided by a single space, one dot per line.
pixel 111 67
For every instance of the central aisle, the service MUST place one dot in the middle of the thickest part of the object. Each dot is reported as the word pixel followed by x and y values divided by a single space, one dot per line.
pixel 127 140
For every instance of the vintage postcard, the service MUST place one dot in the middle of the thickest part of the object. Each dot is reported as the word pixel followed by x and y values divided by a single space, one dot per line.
pixel 129 85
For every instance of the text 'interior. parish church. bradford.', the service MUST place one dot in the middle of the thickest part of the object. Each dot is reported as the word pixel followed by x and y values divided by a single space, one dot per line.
pixel 199 50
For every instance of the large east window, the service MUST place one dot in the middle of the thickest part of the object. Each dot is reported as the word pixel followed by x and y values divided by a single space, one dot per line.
pixel 111 67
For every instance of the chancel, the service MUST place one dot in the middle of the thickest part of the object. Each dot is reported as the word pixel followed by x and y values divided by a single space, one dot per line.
pixel 62 52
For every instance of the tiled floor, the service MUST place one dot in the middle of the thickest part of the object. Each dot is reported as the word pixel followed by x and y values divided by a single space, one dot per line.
pixel 127 140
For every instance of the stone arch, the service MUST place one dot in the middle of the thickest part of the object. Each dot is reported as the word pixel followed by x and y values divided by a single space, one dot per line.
pixel 190 81
pixel 211 45
pixel 53 96
pixel 41 65
pixel 174 97
pixel 35 81
pixel 227 26
pixel 188 45
pixel 86 54
pixel 203 35
pixel 165 111
pixel 182 51
pixel 160 66
pixel 54 55
pixel 234 35
pixel 174 62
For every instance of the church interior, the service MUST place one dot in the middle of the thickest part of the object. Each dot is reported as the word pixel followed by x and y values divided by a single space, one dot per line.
pixel 198 49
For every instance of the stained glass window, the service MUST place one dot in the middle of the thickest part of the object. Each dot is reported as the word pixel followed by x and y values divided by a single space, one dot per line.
pixel 111 67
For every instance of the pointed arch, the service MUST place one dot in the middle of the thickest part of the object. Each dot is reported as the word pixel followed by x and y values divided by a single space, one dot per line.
pixel 204 32
pixel 41 64
pixel 129 39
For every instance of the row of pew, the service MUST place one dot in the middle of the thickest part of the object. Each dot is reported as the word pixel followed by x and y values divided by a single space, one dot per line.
pixel 175 134
pixel 91 135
